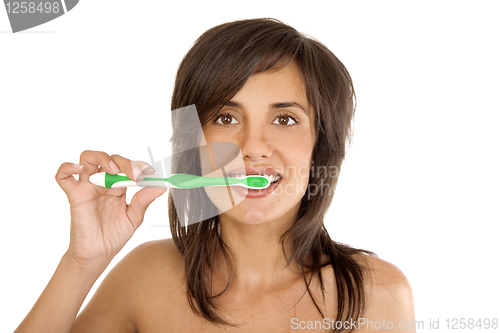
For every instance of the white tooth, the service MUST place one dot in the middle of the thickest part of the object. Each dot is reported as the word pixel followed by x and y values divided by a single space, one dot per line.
pixel 274 178
pixel 269 177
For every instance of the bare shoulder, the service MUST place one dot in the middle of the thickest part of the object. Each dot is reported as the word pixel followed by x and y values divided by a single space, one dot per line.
pixel 147 263
pixel 150 266
pixel 388 292
pixel 382 274
pixel 133 282
pixel 156 254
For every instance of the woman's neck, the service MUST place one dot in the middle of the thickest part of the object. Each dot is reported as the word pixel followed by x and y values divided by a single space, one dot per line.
pixel 258 251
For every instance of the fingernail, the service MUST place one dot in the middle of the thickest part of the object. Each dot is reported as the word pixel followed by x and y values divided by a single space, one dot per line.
pixel 114 168
pixel 149 170
pixel 138 175
pixel 77 166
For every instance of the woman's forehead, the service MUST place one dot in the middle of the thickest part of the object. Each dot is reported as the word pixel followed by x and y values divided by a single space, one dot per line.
pixel 280 85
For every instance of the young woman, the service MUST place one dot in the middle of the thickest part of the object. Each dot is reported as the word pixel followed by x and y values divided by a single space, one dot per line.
pixel 266 265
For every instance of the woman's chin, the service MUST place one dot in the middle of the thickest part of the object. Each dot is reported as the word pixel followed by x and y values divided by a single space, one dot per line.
pixel 249 216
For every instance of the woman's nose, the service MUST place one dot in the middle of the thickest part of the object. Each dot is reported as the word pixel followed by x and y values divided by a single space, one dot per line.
pixel 255 144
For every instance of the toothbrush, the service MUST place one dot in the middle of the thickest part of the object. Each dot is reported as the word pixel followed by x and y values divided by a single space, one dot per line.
pixel 181 181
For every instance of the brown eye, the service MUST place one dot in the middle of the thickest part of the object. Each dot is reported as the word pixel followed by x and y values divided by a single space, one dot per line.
pixel 284 120
pixel 224 119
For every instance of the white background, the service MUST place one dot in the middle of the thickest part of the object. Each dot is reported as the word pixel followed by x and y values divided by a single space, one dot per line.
pixel 419 187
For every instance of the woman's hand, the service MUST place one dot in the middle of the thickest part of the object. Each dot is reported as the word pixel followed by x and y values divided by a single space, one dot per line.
pixel 101 220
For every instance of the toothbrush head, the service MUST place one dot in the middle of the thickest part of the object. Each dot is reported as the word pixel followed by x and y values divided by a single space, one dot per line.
pixel 256 182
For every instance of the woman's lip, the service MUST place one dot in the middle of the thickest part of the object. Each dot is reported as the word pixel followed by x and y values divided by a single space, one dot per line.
pixel 255 194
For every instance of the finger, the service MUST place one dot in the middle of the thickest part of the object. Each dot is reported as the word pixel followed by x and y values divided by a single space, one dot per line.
pixel 64 176
pixel 135 170
pixel 124 165
pixel 140 169
pixel 140 202
pixel 91 160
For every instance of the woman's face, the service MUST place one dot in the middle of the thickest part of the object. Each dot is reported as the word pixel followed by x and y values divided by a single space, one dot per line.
pixel 272 122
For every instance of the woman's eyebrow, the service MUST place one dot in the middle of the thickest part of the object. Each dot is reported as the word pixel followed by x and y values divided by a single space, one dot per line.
pixel 281 105
pixel 277 105
pixel 233 104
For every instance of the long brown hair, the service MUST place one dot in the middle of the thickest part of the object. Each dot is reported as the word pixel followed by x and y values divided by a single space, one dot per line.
pixel 211 73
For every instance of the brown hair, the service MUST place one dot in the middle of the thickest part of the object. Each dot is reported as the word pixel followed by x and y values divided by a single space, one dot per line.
pixel 211 73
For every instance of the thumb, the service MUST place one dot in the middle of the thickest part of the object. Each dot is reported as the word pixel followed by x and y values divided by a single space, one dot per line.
pixel 140 202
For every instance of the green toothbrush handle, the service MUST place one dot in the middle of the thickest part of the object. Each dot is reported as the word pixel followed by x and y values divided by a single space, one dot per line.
pixel 108 180
pixel 190 181
pixel 182 181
